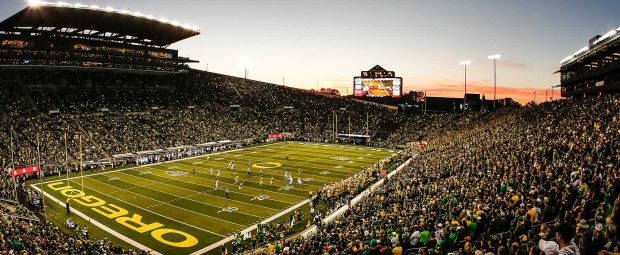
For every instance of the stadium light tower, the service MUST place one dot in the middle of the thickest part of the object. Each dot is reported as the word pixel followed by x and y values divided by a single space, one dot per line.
pixel 494 57
pixel 243 61
pixel 465 63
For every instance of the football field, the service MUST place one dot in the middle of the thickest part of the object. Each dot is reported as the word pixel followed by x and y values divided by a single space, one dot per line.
pixel 175 208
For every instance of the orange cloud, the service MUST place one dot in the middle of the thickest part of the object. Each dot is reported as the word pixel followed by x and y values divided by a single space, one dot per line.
pixel 523 95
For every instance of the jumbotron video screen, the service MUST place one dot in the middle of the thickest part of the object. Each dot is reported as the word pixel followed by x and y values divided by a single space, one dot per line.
pixel 377 87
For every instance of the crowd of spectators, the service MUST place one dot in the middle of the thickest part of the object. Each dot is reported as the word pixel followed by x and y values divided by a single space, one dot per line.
pixel 536 180
pixel 117 113
pixel 507 182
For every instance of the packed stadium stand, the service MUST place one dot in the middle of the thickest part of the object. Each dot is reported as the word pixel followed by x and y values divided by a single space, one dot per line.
pixel 540 179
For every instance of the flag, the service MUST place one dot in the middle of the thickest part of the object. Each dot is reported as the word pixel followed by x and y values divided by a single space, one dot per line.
pixel 25 170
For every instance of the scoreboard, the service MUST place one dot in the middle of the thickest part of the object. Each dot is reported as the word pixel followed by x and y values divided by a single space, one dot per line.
pixel 377 82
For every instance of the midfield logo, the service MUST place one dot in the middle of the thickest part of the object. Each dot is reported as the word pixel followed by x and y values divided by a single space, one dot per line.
pixel 228 209
pixel 260 198
pixel 176 173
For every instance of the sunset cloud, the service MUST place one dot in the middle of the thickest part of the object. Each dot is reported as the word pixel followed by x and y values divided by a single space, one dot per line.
pixel 523 94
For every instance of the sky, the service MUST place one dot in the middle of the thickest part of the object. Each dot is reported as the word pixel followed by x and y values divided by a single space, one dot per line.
pixel 311 43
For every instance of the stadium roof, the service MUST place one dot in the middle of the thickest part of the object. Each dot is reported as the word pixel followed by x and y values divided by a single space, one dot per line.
pixel 606 39
pixel 95 21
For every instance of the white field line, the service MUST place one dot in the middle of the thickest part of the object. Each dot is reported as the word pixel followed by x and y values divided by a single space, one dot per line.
pixel 273 171
pixel 337 213
pixel 158 163
pixel 247 180
pixel 163 216
pixel 251 228
pixel 101 226
pixel 299 165
pixel 313 173
pixel 311 152
pixel 255 175
pixel 231 191
pixel 228 173
pixel 166 203
pixel 177 196
pixel 142 247
pixel 230 238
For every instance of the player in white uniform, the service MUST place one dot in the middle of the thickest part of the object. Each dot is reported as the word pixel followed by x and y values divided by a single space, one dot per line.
pixel 260 182
pixel 211 171
pixel 299 180
pixel 217 184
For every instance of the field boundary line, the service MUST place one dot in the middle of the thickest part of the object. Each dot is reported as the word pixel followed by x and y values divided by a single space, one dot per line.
pixel 100 225
pixel 338 212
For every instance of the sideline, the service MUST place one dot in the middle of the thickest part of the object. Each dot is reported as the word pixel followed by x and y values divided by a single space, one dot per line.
pixel 337 213
pixel 152 164
pixel 251 228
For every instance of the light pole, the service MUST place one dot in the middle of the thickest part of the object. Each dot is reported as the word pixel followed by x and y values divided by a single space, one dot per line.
pixel 552 87
pixel 465 63
pixel 245 63
pixel 552 92
pixel 425 102
pixel 494 57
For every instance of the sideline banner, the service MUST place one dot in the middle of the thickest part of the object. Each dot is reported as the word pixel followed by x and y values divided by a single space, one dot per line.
pixel 275 136
pixel 25 170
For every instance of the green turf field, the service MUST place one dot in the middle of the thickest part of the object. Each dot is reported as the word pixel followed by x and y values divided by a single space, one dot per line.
pixel 170 209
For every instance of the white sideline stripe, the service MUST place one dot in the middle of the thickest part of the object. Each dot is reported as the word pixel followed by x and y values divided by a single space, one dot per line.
pixel 145 209
pixel 101 226
pixel 337 213
pixel 158 163
pixel 251 228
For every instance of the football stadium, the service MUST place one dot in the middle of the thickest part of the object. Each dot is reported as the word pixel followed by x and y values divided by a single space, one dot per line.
pixel 113 142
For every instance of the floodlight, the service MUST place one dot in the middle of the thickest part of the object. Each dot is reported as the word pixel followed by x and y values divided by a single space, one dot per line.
pixel 496 56
pixel 34 2
pixel 244 62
